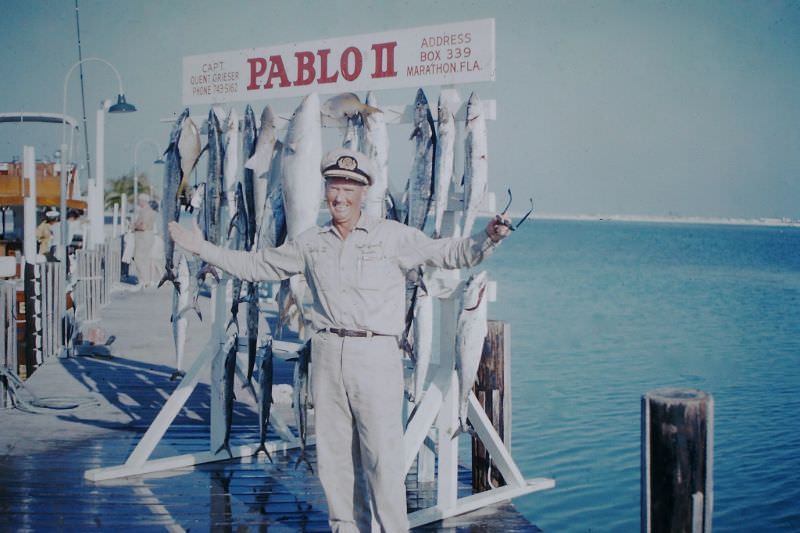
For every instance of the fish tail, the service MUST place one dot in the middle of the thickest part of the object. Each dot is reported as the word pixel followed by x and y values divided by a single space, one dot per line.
pixel 303 459
pixel 170 276
pixel 177 374
pixel 225 446
pixel 251 358
pixel 367 109
pixel 263 448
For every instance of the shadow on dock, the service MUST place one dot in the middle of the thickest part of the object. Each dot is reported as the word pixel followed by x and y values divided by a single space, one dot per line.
pixel 43 456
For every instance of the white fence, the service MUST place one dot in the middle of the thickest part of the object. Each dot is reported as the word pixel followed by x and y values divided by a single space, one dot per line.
pixel 8 334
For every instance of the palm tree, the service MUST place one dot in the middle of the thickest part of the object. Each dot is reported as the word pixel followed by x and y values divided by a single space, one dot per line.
pixel 124 186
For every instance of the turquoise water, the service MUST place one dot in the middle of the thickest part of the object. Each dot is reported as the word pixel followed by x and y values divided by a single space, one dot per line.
pixel 602 312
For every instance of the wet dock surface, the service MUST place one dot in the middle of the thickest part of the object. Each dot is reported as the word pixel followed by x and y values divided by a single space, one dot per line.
pixel 43 455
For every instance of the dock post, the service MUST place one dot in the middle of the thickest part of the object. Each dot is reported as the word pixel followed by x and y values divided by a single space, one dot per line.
pixel 493 389
pixel 677 461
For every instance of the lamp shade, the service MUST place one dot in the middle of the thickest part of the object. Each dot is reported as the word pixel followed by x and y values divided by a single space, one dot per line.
pixel 122 106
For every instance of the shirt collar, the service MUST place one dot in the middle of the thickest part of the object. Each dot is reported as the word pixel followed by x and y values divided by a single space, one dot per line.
pixel 365 223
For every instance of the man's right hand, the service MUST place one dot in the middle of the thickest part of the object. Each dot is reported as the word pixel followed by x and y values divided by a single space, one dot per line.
pixel 190 239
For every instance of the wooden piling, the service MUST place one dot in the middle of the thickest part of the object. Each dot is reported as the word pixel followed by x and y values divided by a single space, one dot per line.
pixel 493 389
pixel 677 461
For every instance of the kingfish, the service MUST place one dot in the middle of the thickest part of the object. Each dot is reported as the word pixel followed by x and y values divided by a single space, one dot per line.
pixel 471 330
pixel 171 203
pixel 248 148
pixel 476 163
pixel 230 164
pixel 229 377
pixel 423 340
pixel 189 149
pixel 239 221
pixel 261 162
pixel 352 133
pixel 213 193
pixel 180 305
pixel 422 181
pixel 346 105
pixel 301 178
pixel 250 190
pixel 374 143
pixel 264 359
pixel 443 163
pixel 302 400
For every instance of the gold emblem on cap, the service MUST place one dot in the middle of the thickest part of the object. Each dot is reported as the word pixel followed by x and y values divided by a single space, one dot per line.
pixel 347 163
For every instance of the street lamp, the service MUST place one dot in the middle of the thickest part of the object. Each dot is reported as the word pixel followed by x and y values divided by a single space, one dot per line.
pixel 158 161
pixel 95 210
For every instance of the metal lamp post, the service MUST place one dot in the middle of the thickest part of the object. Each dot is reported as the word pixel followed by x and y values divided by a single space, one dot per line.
pixel 95 218
pixel 158 161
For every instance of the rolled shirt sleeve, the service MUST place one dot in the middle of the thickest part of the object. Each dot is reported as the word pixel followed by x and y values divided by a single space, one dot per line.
pixel 271 264
pixel 455 252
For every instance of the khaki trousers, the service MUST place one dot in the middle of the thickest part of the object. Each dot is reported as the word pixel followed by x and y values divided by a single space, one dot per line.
pixel 357 388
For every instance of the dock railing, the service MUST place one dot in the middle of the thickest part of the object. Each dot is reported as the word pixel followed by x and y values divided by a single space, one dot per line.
pixel 89 290
pixel 8 335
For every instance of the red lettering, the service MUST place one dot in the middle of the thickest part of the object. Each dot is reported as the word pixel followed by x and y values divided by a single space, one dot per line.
pixel 258 66
pixel 324 77
pixel 305 68
pixel 344 63
pixel 387 49
pixel 277 70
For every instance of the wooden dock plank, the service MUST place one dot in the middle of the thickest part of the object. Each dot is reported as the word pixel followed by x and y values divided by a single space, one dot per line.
pixel 43 456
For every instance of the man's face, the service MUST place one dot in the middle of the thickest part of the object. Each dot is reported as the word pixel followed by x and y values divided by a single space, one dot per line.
pixel 344 199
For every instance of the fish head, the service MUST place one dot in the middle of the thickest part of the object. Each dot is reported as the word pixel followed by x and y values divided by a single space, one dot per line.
pixel 341 106
pixel 197 196
pixel 267 118
pixel 232 121
pixel 475 291
pixel 305 121
pixel 174 135
pixel 474 107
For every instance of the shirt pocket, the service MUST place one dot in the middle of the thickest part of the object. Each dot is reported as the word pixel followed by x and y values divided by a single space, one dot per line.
pixel 374 271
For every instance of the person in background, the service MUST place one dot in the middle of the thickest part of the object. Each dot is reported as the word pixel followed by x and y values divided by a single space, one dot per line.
pixel 74 228
pixel 46 233
pixel 143 233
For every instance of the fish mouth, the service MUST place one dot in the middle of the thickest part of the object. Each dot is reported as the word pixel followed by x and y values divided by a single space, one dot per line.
pixel 480 298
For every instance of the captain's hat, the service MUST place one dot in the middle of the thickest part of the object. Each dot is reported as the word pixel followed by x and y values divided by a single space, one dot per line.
pixel 348 164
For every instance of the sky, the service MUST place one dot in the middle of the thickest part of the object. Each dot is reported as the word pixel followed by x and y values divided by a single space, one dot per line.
pixel 603 107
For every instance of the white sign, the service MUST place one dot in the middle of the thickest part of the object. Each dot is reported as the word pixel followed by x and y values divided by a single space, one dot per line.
pixel 462 52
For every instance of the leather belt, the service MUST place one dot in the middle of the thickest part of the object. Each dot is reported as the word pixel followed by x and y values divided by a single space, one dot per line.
pixel 352 332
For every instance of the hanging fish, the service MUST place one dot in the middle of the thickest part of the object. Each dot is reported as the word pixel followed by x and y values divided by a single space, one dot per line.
pixel 422 181
pixel 476 163
pixel 443 163
pixel 346 105
pixel 471 330
pixel 374 142
pixel 302 400
pixel 172 206
pixel 264 359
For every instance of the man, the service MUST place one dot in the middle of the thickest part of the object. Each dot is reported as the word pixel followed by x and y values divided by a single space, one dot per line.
pixel 145 265
pixel 355 267
pixel 47 235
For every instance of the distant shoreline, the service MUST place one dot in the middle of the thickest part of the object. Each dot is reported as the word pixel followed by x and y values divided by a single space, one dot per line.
pixel 774 222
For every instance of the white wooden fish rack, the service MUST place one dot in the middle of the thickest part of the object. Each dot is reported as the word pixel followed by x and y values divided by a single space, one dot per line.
pixel 139 461
pixel 436 416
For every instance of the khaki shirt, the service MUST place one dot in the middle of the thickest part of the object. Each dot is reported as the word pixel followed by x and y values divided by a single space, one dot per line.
pixel 43 235
pixel 357 282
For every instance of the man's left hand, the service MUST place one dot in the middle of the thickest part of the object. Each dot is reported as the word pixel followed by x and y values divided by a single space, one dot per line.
pixel 498 228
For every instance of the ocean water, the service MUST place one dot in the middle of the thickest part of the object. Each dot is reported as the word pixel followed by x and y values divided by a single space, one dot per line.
pixel 602 312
